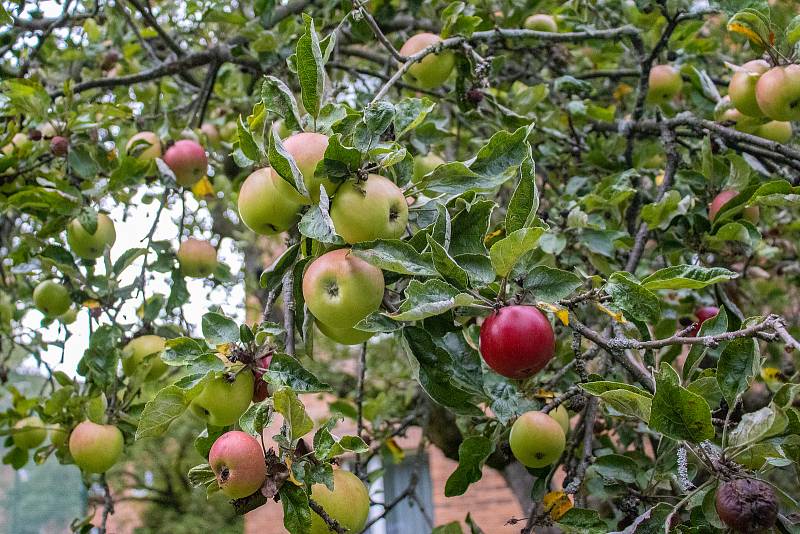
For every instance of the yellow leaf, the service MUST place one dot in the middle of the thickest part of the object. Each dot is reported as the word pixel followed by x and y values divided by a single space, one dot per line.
pixel 621 91
pixel 395 450
pixel 737 27
pixel 660 179
pixel 544 394
pixel 291 473
pixel 558 311
pixel 491 236
pixel 617 316
pixel 91 304
pixel 140 311
pixel 556 503
pixel 203 188
pixel 225 349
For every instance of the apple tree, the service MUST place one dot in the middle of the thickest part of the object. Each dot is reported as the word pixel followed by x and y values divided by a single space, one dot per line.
pixel 537 231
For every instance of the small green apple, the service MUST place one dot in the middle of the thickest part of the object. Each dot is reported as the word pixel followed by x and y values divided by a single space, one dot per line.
pixel 198 259
pixel 742 87
pixel 665 83
pixel 29 433
pixel 348 503
pixel 308 149
pixel 95 448
pixel 541 22
pixel 344 336
pixel 69 316
pixel 222 402
pixel 51 298
pixel 434 69
pixel 561 415
pixel 778 93
pixel 91 246
pixel 374 209
pixel 268 204
pixel 137 349
pixel 58 436
pixel 536 439
pixel 238 463
pixel 778 131
pixel 425 164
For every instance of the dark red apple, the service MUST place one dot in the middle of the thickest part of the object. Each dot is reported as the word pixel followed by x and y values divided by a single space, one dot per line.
pixel 517 341
pixel 59 146
pixel 261 390
pixel 703 314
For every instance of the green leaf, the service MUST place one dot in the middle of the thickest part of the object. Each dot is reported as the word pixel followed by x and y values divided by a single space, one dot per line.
pixel 472 454
pixel 737 366
pixel 616 467
pixel 447 266
pixel 5 18
pixel 127 258
pixel 158 413
pixel 27 97
pixel 550 285
pixel 793 31
pixel 296 512
pixel 182 350
pixel 507 252
pixel 582 521
pixel 283 163
pixel 218 329
pixel 524 203
pixel 317 224
pixel 396 256
pixel 624 398
pixel 456 22
pixel 454 527
pixel 285 371
pixel 294 413
pixel 660 214
pixel 652 521
pixel 472 223
pixel 278 98
pixel 409 113
pixel 256 418
pixel 310 68
pixel 201 475
pixel 247 143
pixel 272 276
pixel 756 426
pixel 339 161
pixel 687 277
pixel 677 412
pixel 505 150
pixel 433 297
pixel 629 296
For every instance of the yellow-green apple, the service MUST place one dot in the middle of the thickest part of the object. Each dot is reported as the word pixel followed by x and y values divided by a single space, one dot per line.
pixel 20 141
pixel 750 213
pixel 197 258
pixel 188 162
pixel 58 436
pixel 368 210
pixel 434 69
pixel 348 503
pixel 137 349
pixel 536 439
pixel 222 401
pixel 29 433
pixel 211 132
pixel 425 164
pixel 51 298
pixel 340 289
pixel 541 22
pixel 778 131
pixel 95 448
pixel 308 149
pixel 91 246
pixel 742 87
pixel 144 146
pixel 561 415
pixel 778 93
pixel 344 336
pixel 69 316
pixel 665 83
pixel 238 462
pixel 268 204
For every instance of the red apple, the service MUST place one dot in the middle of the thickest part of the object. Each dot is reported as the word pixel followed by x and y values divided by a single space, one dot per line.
pixel 517 341
pixel 188 161
pixel 59 146
pixel 237 460
pixel 703 314
pixel 261 388
pixel 750 213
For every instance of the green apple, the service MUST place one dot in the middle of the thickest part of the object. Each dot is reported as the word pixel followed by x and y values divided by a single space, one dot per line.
pixel 665 83
pixel 222 402
pixel 742 87
pixel 29 433
pixel 58 436
pixel 434 69
pixel 778 131
pixel 268 204
pixel 137 349
pixel 374 209
pixel 91 246
pixel 778 93
pixel 20 142
pixel 536 439
pixel 348 503
pixel 308 149
pixel 69 316
pixel 344 336
pixel 197 258
pixel 725 112
pixel 51 298
pixel 425 164
pixel 340 289
pixel 144 146
pixel 561 415
pixel 541 22
pixel 237 460
pixel 95 448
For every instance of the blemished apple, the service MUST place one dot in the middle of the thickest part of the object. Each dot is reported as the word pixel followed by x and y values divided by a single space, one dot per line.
pixel 198 258
pixel 144 146
pixel 778 131
pixel 348 503
pixel 268 204
pixel 308 149
pixel 344 336
pixel 425 164
pixel 137 349
pixel 222 402
pixel 746 505
pixel 237 460
pixel 742 87
pixel 29 433
pixel 373 209
pixel 91 246
pixel 59 146
pixel 778 93
pixel 665 83
pixel 561 415
pixel 541 22
pixel 51 298
pixel 536 439
pixel 434 69
pixel 517 341
pixel 95 448
pixel 340 289
pixel 188 161
pixel 750 213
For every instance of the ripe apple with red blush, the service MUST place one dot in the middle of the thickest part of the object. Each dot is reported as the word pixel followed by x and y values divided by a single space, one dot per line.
pixel 517 341
pixel 704 314
pixel 750 213
pixel 237 460
pixel 188 161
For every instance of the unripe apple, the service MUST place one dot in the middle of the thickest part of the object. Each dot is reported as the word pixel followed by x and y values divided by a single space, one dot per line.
pixel 51 298
pixel 188 161
pixel 434 69
pixel 58 436
pixel 778 131
pixel 20 141
pixel 541 22
pixel 746 505
pixel 348 503
pixel 268 204
pixel 750 213
pixel 144 146
pixel 59 146
pixel 95 448
pixel 517 341
pixel 561 415
pixel 69 316
pixel 536 439
pixel 91 246
pixel 778 93
pixel 135 351
pixel 425 164
pixel 237 460
pixel 374 209
pixel 703 314
pixel 344 336
pixel 197 258
pixel 742 87
pixel 29 433
pixel 665 83
pixel 340 289
pixel 211 132
pixel 222 402
pixel 308 149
